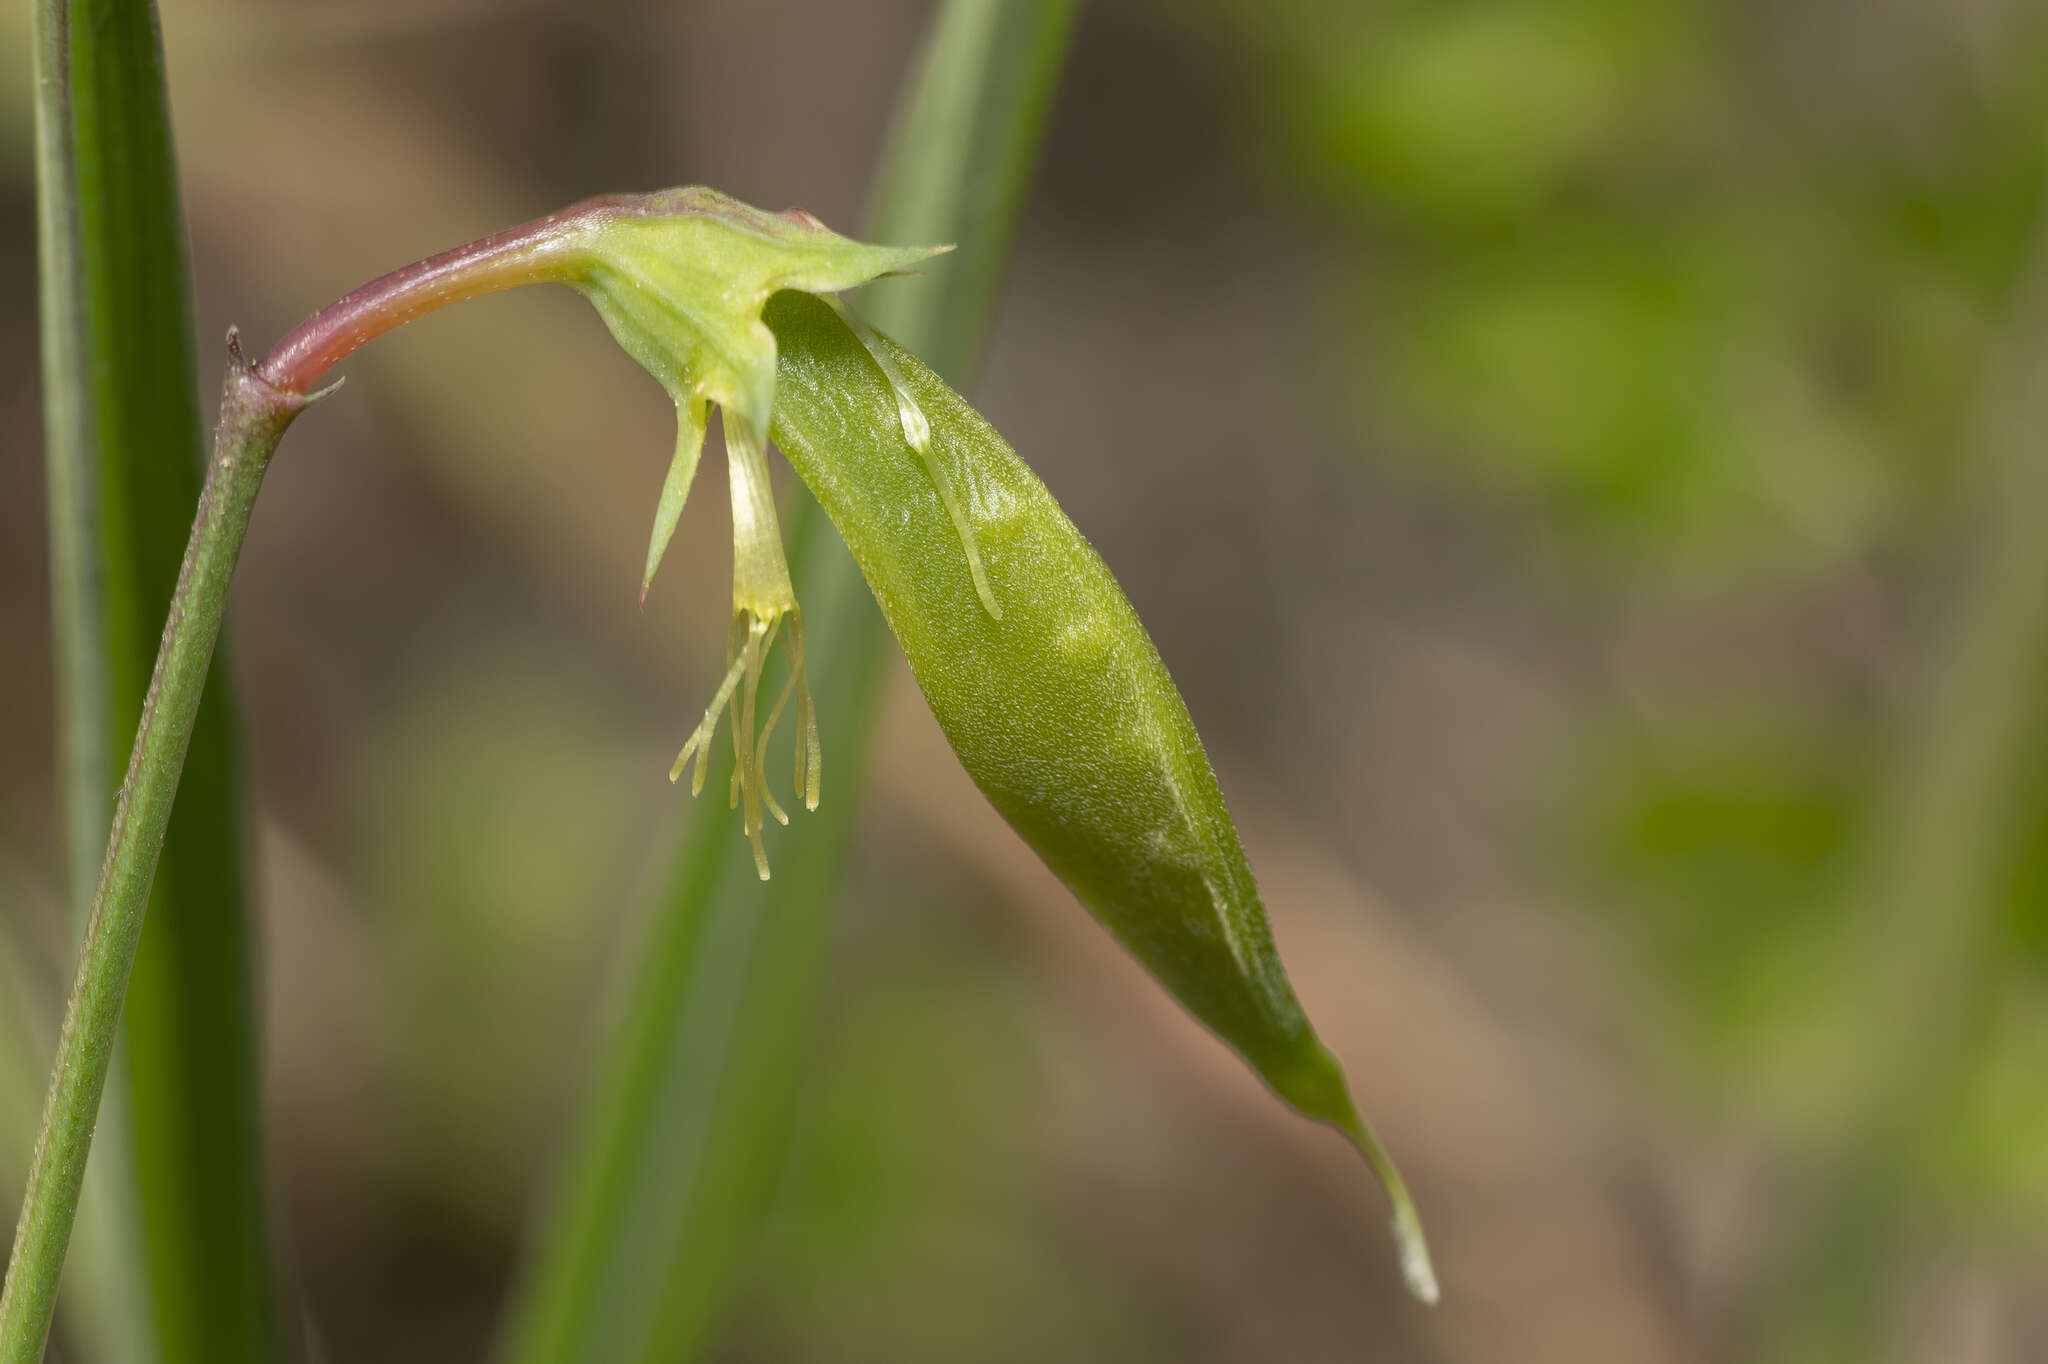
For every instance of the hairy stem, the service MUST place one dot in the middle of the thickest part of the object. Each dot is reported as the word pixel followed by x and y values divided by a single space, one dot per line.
pixel 254 415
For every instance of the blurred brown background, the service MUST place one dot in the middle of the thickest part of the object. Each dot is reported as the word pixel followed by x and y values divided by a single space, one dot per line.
pixel 1549 442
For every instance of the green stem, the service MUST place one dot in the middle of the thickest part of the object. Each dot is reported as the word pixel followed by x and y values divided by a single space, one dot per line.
pixel 254 416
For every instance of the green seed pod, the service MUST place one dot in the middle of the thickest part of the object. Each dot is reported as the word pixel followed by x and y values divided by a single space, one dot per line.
pixel 1059 707
pixel 1036 666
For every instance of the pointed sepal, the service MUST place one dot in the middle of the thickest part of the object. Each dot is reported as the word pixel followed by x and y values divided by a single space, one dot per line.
pixel 675 489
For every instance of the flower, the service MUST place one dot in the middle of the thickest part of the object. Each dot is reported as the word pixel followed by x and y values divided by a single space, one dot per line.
pixel 681 277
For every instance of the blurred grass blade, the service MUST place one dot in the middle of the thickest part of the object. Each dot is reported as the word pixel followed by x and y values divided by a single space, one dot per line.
pixel 1928 881
pixel 957 165
pixel 104 1308
pixel 684 1144
pixel 83 744
pixel 104 1281
pixel 126 467
pixel 684 1139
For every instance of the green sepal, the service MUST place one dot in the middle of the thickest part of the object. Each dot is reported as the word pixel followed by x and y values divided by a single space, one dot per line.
pixel 680 278
pixel 675 489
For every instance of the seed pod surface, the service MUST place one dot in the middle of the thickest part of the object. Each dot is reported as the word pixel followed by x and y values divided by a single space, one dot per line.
pixel 1061 709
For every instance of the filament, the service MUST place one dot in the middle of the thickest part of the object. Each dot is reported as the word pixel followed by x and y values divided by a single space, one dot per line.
pixel 737 699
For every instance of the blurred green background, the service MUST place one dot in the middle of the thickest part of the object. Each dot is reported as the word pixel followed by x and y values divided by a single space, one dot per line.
pixel 1583 461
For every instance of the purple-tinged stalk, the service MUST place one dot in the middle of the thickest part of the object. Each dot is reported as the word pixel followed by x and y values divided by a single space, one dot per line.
pixel 547 250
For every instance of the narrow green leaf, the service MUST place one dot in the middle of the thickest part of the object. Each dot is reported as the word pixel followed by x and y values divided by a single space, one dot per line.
pixel 189 1025
pixel 104 1306
pixel 79 645
pixel 684 1146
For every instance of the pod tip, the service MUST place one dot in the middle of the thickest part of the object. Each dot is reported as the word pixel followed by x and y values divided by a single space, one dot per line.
pixel 1414 1251
pixel 1409 1243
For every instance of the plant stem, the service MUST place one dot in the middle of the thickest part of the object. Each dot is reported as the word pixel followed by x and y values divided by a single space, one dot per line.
pixel 254 415
pixel 257 403
pixel 531 253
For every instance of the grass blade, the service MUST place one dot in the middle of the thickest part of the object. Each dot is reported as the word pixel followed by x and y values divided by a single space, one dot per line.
pixel 684 1143
pixel 105 1308
pixel 1928 880
pixel 957 165
pixel 128 417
